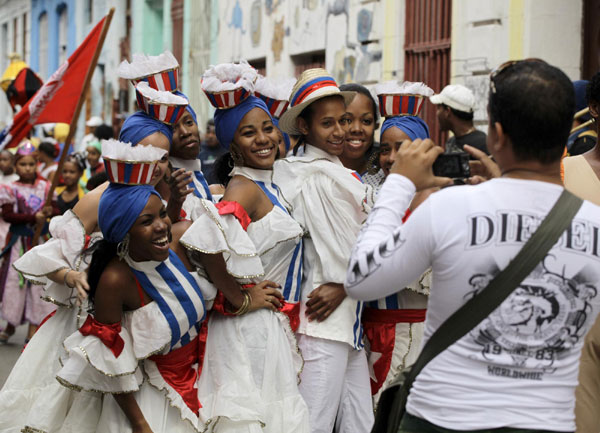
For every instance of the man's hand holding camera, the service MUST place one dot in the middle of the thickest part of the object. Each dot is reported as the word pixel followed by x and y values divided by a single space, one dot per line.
pixel 415 159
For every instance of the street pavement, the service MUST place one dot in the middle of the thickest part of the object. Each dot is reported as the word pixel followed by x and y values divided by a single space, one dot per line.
pixel 9 353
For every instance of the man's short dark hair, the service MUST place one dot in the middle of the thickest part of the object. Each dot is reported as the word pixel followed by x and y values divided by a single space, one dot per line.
pixel 96 180
pixel 463 115
pixel 104 132
pixel 534 102
pixel 210 122
pixel 593 89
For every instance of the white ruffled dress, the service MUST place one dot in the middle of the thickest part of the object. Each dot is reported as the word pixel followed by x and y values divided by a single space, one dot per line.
pixel 159 358
pixel 252 363
pixel 31 398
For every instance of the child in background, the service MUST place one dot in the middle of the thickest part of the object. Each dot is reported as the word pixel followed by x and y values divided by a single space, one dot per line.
pixel 95 165
pixel 7 167
pixel 7 175
pixel 48 150
pixel 72 191
pixel 94 153
pixel 23 207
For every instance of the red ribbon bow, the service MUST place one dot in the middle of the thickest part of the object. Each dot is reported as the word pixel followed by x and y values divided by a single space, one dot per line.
pixel 108 334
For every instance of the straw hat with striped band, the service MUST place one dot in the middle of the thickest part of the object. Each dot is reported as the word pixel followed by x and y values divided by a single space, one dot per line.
pixel 129 165
pixel 312 85
pixel 401 99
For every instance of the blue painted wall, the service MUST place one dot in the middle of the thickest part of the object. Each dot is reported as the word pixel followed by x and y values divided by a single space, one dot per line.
pixel 53 8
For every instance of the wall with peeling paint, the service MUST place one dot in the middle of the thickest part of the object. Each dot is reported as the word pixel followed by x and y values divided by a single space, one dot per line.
pixel 282 33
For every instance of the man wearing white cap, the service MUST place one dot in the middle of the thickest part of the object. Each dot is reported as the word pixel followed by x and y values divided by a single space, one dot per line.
pixel 455 105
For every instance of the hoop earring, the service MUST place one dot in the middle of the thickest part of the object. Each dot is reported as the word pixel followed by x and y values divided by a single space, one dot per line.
pixel 123 247
pixel 238 159
pixel 230 161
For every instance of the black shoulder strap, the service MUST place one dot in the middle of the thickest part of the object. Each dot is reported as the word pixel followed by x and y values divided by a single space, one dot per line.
pixel 484 303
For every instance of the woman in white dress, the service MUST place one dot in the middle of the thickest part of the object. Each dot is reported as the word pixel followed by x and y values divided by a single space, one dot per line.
pixel 252 362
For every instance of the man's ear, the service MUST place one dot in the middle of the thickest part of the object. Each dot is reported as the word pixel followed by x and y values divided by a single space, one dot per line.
pixel 501 139
pixel 302 125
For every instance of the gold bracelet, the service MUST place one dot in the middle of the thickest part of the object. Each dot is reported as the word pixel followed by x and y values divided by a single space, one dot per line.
pixel 245 305
pixel 247 299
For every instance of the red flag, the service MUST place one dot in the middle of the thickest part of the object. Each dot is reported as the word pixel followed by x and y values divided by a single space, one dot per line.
pixel 57 98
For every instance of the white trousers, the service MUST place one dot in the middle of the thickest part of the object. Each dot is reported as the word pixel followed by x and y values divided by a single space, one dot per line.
pixel 335 386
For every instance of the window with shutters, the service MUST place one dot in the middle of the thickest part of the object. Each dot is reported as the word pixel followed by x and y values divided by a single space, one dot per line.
pixel 305 61
pixel 427 51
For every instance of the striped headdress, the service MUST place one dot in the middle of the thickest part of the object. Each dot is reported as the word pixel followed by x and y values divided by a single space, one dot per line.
pixel 164 106
pixel 160 72
pixel 401 99
pixel 228 84
pixel 275 93
pixel 129 165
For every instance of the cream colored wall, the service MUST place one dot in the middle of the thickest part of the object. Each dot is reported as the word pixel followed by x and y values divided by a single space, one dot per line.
pixel 487 33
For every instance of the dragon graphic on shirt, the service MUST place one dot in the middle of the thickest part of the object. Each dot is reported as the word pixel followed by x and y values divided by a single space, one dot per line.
pixel 546 315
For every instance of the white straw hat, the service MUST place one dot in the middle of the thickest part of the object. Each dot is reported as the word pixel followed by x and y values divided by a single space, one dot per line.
pixel 312 85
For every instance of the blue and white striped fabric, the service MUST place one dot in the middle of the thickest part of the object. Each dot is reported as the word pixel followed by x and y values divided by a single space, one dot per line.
pixel 293 280
pixel 176 293
pixel 200 186
pixel 198 183
pixel 391 302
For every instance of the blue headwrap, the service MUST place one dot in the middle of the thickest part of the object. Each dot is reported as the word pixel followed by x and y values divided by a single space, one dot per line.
pixel 227 121
pixel 412 126
pixel 188 107
pixel 120 206
pixel 140 125
pixel 286 137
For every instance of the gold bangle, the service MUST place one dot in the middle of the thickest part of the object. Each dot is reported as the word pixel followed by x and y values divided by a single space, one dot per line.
pixel 245 305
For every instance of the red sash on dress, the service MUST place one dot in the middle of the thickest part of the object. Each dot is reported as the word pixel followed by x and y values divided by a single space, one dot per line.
pixel 380 330
pixel 176 368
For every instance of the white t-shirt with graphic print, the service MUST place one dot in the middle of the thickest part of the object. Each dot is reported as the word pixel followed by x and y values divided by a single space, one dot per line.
pixel 518 368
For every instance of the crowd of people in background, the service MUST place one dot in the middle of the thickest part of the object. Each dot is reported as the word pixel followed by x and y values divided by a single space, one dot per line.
pixel 280 270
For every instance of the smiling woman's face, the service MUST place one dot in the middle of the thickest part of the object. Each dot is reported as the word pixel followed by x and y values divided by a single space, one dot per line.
pixel 325 127
pixel 151 233
pixel 256 140
pixel 360 127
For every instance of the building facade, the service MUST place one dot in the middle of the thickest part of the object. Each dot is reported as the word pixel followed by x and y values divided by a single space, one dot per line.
pixel 364 41
pixel 53 34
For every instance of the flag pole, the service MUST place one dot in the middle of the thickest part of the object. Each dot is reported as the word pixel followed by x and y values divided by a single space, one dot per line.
pixel 73 125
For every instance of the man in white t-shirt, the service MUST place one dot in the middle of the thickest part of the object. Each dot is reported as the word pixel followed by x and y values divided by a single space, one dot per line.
pixel 518 368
